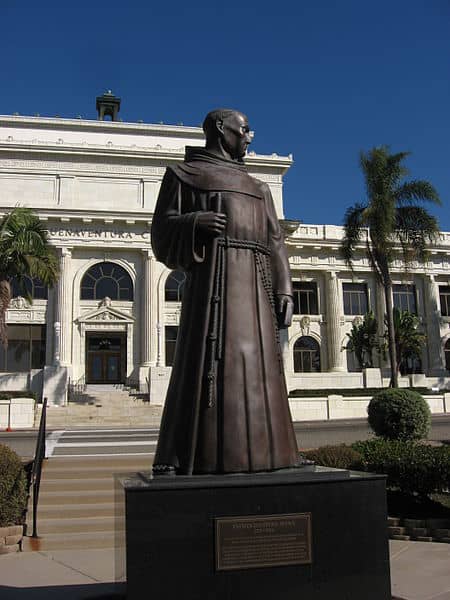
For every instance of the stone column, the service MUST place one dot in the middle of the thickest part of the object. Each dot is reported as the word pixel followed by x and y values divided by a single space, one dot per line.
pixel 64 307
pixel 57 343
pixel 333 301
pixel 159 359
pixel 146 329
pixel 433 332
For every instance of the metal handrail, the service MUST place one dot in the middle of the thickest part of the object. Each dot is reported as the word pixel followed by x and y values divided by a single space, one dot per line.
pixel 37 465
pixel 76 389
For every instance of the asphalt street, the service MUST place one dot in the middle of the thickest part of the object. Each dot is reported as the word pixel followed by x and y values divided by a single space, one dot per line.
pixel 310 434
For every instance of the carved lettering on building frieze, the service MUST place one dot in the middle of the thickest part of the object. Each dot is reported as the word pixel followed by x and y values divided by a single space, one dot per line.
pixel 98 233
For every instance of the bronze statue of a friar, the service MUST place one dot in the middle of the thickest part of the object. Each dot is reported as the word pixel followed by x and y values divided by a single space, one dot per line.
pixel 227 407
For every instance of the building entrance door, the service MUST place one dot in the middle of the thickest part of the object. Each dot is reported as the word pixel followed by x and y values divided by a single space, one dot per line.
pixel 105 358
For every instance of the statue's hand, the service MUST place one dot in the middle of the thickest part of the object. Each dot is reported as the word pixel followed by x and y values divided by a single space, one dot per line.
pixel 284 307
pixel 211 223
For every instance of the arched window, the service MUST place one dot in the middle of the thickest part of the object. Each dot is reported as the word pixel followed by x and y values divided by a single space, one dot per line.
pixel 106 279
pixel 174 286
pixel 306 355
pixel 447 355
pixel 34 287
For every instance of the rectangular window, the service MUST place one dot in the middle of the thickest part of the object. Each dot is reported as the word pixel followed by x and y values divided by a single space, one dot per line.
pixel 404 296
pixel 26 349
pixel 355 298
pixel 171 332
pixel 305 298
pixel 444 295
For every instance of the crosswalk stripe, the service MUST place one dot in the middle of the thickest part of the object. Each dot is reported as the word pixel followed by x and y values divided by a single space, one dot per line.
pixel 112 437
pixel 93 444
pixel 51 442
pixel 57 455
pixel 140 430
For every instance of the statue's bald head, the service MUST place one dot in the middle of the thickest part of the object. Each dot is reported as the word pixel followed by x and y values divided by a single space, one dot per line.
pixel 213 117
pixel 227 132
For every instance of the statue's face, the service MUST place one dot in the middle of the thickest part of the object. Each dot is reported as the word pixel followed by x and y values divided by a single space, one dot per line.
pixel 236 135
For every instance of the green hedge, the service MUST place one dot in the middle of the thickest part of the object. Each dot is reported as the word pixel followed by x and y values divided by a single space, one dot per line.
pixel 397 414
pixel 412 467
pixel 351 392
pixel 13 488
pixel 15 394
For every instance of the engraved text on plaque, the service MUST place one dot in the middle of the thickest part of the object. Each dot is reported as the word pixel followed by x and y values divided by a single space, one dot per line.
pixel 263 541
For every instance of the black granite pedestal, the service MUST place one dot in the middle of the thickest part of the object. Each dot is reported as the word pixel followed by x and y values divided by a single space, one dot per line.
pixel 191 537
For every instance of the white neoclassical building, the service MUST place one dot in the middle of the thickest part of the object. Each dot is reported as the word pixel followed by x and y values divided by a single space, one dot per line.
pixel 113 316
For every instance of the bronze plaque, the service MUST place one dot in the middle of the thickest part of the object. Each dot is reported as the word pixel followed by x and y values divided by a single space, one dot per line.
pixel 263 541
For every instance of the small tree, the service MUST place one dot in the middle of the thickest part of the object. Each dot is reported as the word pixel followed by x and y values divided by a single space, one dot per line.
pixel 363 340
pixel 409 341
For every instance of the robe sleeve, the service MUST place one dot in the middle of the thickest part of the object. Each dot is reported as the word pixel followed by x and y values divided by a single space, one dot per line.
pixel 174 237
pixel 281 274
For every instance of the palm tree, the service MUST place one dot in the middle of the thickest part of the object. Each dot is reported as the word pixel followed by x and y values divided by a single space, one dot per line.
pixel 363 340
pixel 394 220
pixel 24 251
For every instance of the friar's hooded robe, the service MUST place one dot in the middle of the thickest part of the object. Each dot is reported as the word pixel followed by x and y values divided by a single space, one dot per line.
pixel 227 407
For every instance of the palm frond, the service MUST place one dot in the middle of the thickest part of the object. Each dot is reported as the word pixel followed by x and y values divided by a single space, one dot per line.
pixel 416 230
pixel 354 226
pixel 415 191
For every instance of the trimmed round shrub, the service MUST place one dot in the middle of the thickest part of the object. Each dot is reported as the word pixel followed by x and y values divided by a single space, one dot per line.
pixel 338 457
pixel 13 488
pixel 397 414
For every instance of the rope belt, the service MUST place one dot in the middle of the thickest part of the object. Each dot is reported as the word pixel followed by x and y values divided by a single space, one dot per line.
pixel 259 247
pixel 261 254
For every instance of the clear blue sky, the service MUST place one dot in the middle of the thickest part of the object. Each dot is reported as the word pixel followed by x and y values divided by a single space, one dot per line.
pixel 321 79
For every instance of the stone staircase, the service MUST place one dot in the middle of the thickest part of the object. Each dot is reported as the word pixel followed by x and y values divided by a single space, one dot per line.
pixel 102 405
pixel 81 502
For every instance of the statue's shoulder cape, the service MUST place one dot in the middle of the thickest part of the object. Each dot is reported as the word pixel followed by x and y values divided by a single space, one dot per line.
pixel 209 173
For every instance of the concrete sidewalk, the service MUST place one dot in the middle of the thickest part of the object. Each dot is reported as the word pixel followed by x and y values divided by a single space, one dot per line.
pixel 63 574
pixel 419 571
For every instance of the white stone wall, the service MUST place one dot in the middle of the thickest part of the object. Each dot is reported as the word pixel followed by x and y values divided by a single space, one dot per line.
pixel 17 413
pixel 337 407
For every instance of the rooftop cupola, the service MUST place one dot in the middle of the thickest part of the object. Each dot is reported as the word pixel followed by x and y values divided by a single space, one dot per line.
pixel 108 105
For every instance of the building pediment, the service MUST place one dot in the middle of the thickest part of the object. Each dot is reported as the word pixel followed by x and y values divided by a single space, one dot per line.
pixel 106 313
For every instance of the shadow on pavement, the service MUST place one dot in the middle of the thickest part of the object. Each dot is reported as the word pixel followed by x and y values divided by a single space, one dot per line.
pixel 95 591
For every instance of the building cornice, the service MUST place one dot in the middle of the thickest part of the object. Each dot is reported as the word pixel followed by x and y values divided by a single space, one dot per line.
pixel 61 124
pixel 60 215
